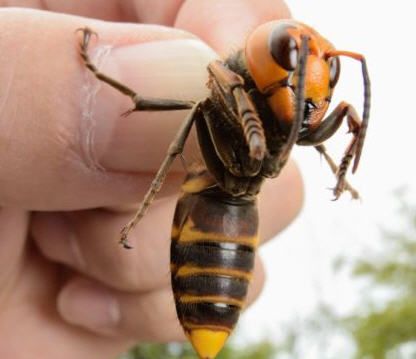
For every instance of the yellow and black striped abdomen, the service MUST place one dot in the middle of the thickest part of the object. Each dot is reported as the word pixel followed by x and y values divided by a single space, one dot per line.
pixel 214 239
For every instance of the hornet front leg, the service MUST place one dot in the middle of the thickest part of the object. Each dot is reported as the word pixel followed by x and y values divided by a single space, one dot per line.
pixel 326 129
pixel 140 103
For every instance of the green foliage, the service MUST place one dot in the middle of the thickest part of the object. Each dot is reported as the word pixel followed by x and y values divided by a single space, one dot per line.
pixel 380 332
pixel 383 329
pixel 262 350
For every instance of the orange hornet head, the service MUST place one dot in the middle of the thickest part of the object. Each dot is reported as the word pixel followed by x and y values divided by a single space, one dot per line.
pixel 272 52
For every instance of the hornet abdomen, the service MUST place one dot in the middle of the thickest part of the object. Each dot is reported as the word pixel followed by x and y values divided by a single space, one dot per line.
pixel 214 238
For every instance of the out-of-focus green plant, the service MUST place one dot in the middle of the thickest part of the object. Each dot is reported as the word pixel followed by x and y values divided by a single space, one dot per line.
pixel 387 327
pixel 383 326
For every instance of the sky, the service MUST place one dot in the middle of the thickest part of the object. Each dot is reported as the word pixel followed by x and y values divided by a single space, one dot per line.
pixel 299 262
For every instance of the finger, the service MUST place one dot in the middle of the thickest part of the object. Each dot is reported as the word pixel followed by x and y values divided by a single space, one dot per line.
pixel 83 302
pixel 152 12
pixel 62 129
pixel 89 304
pixel 14 225
pixel 105 10
pixel 224 25
pixel 280 201
pixel 157 11
pixel 87 241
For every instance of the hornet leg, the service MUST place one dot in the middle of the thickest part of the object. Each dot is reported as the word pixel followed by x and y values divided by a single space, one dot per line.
pixel 175 149
pixel 140 103
pixel 322 150
pixel 327 128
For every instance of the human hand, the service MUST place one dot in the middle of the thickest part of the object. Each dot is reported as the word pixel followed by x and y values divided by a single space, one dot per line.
pixel 69 166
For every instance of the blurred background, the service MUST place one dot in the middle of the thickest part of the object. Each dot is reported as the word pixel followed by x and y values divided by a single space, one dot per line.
pixel 342 278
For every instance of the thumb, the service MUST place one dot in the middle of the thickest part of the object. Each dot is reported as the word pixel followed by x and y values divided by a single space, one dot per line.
pixel 63 144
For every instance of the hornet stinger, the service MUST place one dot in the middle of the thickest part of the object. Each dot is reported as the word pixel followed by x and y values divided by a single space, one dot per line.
pixel 265 98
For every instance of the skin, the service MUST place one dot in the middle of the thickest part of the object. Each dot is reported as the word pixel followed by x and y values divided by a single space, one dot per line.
pixel 72 171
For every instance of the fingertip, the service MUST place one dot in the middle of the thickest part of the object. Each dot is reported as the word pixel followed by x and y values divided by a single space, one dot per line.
pixel 259 278
pixel 84 303
pixel 281 200
pixel 224 25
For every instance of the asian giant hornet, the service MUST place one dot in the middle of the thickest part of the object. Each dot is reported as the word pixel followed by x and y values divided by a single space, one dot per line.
pixel 264 99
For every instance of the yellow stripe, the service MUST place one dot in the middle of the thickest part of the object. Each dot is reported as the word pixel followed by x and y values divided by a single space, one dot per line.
pixel 210 299
pixel 189 270
pixel 190 234
pixel 175 232
pixel 197 184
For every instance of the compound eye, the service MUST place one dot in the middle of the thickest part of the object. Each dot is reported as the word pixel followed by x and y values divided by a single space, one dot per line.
pixel 284 48
pixel 334 71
